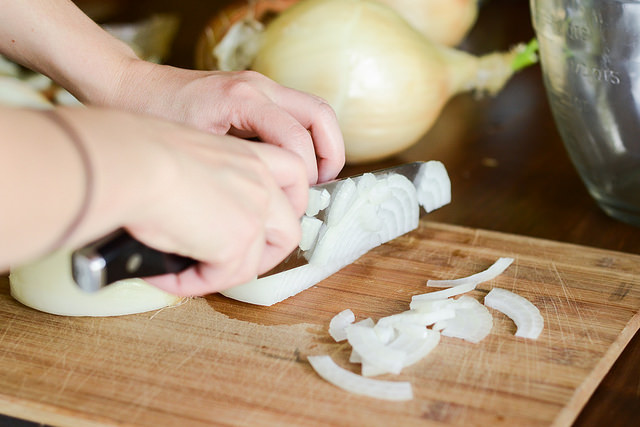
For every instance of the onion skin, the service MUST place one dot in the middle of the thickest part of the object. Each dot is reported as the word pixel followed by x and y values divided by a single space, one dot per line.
pixel 385 80
pixel 217 27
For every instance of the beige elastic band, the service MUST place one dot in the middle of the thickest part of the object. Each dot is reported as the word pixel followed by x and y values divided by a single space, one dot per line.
pixel 77 142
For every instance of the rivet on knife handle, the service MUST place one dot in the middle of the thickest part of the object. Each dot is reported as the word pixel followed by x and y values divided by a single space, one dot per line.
pixel 119 256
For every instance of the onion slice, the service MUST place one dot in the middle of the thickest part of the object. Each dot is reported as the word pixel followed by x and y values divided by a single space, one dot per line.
pixel 440 295
pixel 338 324
pixel 524 314
pixel 354 383
pixel 372 350
pixel 472 322
pixel 490 273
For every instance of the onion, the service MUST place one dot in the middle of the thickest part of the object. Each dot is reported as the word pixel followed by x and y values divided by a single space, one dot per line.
pixel 346 380
pixel 348 234
pixel 490 273
pixel 414 341
pixel 524 314
pixel 445 293
pixel 386 82
pixel 47 285
pixel 231 38
pixel 402 339
pixel 235 27
pixel 472 321
pixel 338 324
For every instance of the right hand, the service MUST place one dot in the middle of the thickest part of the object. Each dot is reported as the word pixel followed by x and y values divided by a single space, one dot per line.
pixel 235 206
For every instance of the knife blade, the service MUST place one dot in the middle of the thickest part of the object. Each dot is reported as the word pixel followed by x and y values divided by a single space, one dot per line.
pixel 119 255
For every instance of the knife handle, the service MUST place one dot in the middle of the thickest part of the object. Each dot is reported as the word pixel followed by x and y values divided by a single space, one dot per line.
pixel 119 256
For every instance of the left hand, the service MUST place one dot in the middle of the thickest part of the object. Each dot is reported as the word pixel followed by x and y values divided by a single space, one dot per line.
pixel 244 104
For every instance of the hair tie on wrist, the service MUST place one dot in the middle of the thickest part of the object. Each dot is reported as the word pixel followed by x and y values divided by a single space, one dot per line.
pixel 85 159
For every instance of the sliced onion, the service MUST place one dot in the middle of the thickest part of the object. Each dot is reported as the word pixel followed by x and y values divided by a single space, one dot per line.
pixel 347 380
pixel 310 229
pixel 318 200
pixel 490 273
pixel 47 285
pixel 445 293
pixel 472 322
pixel 524 314
pixel 417 317
pixel 372 350
pixel 433 186
pixel 338 324
pixel 348 234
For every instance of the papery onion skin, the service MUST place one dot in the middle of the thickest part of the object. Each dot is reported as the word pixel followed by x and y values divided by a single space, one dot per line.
pixel 46 285
pixel 219 24
pixel 386 82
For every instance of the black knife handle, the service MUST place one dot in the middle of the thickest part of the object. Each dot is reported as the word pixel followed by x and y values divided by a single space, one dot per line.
pixel 120 256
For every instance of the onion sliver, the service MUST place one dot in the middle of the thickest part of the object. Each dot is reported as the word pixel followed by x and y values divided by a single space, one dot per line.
pixel 347 380
pixel 415 341
pixel 348 233
pixel 338 324
pixel 47 285
pixel 442 294
pixel 366 343
pixel 490 273
pixel 418 318
pixel 524 314
pixel 472 322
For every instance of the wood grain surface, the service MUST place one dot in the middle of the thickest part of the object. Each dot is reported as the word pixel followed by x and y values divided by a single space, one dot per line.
pixel 217 361
pixel 510 173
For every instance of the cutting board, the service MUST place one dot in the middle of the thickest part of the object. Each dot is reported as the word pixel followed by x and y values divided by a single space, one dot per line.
pixel 212 361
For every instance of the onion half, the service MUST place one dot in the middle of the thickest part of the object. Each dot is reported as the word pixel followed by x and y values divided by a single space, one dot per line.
pixel 366 212
pixel 47 285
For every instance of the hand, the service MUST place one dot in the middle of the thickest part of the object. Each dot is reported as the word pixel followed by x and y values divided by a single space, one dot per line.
pixel 245 104
pixel 233 205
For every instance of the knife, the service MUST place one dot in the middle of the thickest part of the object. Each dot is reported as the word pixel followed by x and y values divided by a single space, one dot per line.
pixel 119 255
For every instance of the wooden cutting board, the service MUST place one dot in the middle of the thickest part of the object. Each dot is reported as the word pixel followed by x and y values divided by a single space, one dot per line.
pixel 214 361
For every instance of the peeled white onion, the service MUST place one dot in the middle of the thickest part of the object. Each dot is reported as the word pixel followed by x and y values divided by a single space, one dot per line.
pixel 347 234
pixel 472 321
pixel 47 285
pixel 386 82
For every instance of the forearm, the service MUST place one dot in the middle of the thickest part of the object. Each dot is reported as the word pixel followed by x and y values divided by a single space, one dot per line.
pixel 55 191
pixel 56 38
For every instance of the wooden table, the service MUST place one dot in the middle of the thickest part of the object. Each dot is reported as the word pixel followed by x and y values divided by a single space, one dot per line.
pixel 509 171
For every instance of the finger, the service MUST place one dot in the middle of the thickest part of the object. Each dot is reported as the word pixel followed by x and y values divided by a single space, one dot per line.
pixel 316 115
pixel 282 234
pixel 275 126
pixel 289 173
